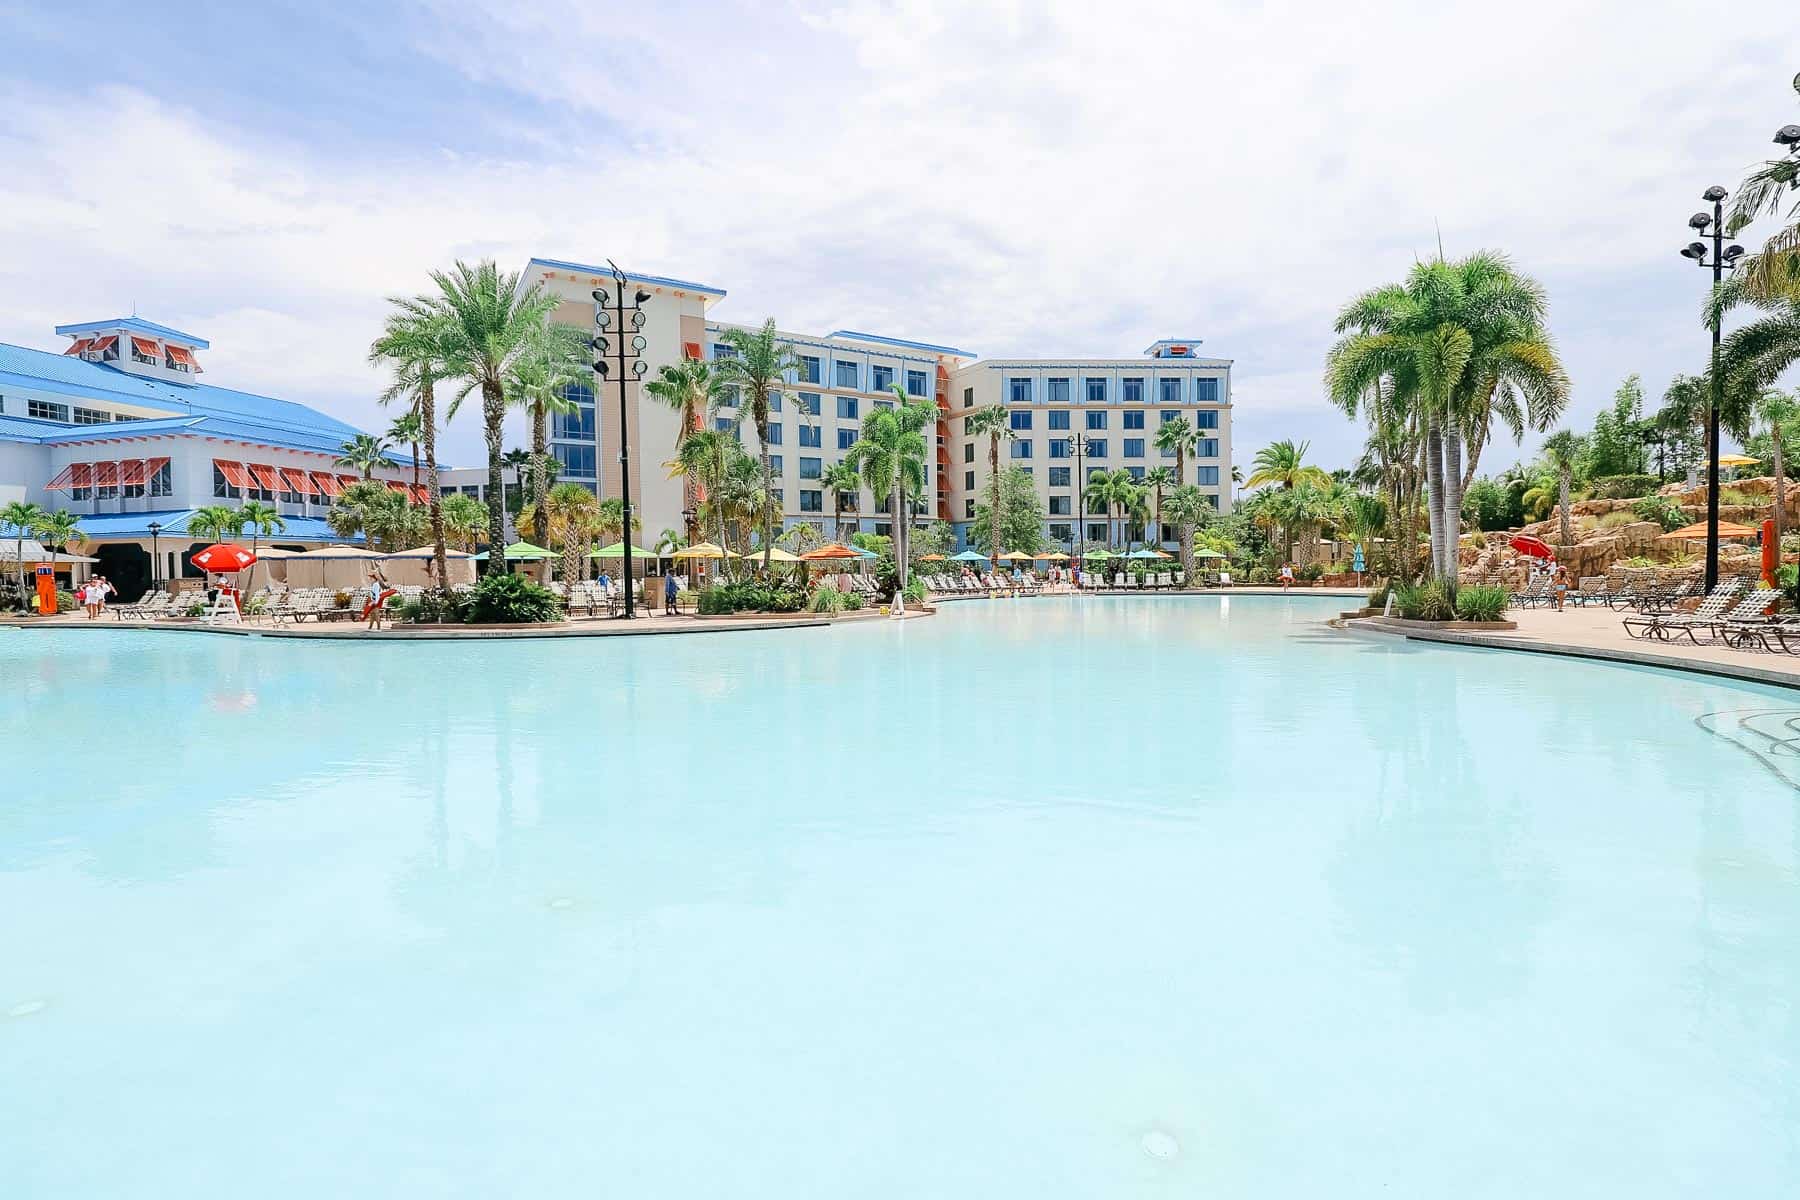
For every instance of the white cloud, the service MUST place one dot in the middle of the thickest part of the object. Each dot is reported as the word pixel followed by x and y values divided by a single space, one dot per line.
pixel 1016 178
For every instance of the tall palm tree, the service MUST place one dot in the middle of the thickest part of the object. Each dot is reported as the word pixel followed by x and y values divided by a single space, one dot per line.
pixel 60 530
pixel 413 345
pixel 891 456
pixel 216 523
pixel 538 381
pixel 262 520
pixel 409 429
pixel 463 518
pixel 1176 436
pixel 758 369
pixel 1188 506
pixel 574 522
pixel 490 322
pixel 1774 271
pixel 1114 491
pixel 842 479
pixel 1284 463
pixel 1156 480
pixel 1778 410
pixel 691 389
pixel 704 456
pixel 1563 450
pixel 363 453
pixel 23 518
pixel 994 424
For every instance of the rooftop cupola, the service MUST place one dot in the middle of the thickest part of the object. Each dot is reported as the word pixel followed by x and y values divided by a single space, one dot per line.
pixel 1174 348
pixel 137 347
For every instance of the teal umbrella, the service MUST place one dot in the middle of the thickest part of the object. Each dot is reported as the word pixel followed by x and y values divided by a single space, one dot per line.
pixel 1146 553
pixel 968 556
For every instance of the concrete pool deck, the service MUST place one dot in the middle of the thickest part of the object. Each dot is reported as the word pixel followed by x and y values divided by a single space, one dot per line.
pixel 1598 633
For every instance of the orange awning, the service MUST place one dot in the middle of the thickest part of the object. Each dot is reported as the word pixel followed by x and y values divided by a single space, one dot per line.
pixel 84 475
pixel 145 347
pixel 422 494
pixel 181 356
pixel 79 345
pixel 392 486
pixel 267 476
pixel 131 472
pixel 234 473
pixel 63 479
pixel 299 481
pixel 328 484
pixel 102 345
pixel 345 481
pixel 152 466
pixel 106 474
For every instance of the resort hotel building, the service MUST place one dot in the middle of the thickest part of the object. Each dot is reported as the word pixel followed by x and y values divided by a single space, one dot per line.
pixel 1067 415
pixel 118 429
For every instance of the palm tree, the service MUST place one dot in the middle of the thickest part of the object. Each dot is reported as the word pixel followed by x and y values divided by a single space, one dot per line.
pixel 363 453
pixel 413 345
pixel 1774 271
pixel 762 363
pixel 464 518
pixel 1175 436
pixel 23 518
pixel 262 520
pixel 1284 463
pixel 1778 410
pixel 538 381
pixel 995 424
pixel 703 457
pixel 216 523
pixel 843 479
pixel 691 389
pixel 1188 506
pixel 60 530
pixel 1563 450
pixel 409 428
pixel 669 541
pixel 574 521
pixel 385 518
pixel 491 321
pixel 1116 490
pixel 1156 479
pixel 891 456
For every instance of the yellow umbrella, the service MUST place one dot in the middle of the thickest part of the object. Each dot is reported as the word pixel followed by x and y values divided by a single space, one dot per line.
pixel 702 550
pixel 1737 460
pixel 1015 556
pixel 1057 556
pixel 776 554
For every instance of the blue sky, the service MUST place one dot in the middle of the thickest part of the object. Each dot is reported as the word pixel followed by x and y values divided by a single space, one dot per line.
pixel 1019 179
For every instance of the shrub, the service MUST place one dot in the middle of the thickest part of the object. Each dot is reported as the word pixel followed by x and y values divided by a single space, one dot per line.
pixel 1311 572
pixel 435 608
pixel 1662 510
pixel 1426 602
pixel 825 599
pixel 1617 520
pixel 1481 603
pixel 1739 498
pixel 915 591
pixel 66 601
pixel 852 601
pixel 1262 575
pixel 1622 487
pixel 511 600
pixel 1379 597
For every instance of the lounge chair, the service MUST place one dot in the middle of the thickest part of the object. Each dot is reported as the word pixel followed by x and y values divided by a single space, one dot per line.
pixel 1661 625
pixel 1748 623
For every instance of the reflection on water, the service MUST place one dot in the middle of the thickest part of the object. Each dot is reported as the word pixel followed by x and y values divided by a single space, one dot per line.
pixel 1041 898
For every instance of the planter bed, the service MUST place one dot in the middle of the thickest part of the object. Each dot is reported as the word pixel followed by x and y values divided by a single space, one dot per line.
pixel 1449 626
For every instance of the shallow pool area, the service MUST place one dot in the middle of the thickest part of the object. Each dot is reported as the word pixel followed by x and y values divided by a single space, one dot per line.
pixel 1144 896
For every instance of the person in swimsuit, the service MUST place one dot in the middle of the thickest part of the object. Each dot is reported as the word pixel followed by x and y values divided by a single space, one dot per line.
pixel 379 591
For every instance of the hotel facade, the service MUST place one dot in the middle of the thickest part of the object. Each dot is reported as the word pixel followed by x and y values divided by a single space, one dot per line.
pixel 1067 415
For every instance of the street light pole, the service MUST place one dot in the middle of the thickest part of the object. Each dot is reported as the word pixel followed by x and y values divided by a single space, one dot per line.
pixel 1723 259
pixel 155 554
pixel 630 357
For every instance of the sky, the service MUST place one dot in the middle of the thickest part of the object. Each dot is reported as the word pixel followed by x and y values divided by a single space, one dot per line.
pixel 1016 179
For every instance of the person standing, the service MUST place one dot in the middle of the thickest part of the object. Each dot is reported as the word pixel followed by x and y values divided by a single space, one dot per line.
pixel 379 591
pixel 669 591
pixel 1287 576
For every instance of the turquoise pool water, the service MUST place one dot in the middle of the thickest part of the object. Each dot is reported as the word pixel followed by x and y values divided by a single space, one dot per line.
pixel 1144 897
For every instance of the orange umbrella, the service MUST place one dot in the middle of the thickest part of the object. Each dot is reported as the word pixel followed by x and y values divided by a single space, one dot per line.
pixel 830 550
pixel 1697 532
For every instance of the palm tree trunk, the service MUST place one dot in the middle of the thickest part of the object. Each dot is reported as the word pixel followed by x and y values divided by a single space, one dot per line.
pixel 1563 486
pixel 428 411
pixel 414 446
pixel 493 416
pixel 1434 487
pixel 994 491
pixel 540 470
pixel 1453 488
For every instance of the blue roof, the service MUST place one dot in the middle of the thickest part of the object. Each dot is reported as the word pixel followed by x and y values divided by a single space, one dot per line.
pixel 888 341
pixel 683 284
pixel 136 325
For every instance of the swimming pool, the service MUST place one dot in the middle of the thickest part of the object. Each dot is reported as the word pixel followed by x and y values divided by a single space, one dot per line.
pixel 1145 896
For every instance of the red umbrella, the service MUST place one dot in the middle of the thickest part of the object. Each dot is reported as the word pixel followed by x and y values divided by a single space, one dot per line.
pixel 223 557
pixel 1531 546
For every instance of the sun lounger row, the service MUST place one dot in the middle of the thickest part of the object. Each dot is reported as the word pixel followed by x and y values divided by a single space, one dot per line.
pixel 1744 624
pixel 1148 582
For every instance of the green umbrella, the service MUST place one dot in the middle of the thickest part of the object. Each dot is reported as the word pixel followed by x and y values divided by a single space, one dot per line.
pixel 1204 553
pixel 522 550
pixel 1096 554
pixel 617 550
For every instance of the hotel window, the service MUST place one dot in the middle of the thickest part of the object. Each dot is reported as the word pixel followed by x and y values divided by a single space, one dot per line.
pixel 575 460
pixel 1096 390
pixel 844 374
pixel 1206 391
pixel 1021 418
pixel 847 408
pixel 1207 420
pixel 809 368
pixel 1056 391
pixel 1062 531
pixel 1169 414
pixel 968 508
pixel 1027 470
pixel 1061 506
pixel 774 435
pixel 812 468
pixel 1096 419
pixel 1206 448
pixel 881 378
pixel 1209 476
pixel 1059 420
pixel 809 403
pixel 916 383
pixel 1018 390
pixel 1168 391
pixel 1137 473
pixel 774 464
pixel 1096 533
pixel 881 404
pixel 43 410
pixel 1133 391
pixel 1096 448
pixel 1134 447
pixel 812 500
pixel 968 451
pixel 846 438
pixel 288 494
pixel 968 481
pixel 777 498
pixel 577 425
pixel 222 487
pixel 1021 449
pixel 1095 471
pixel 969 397
pixel 110 491
pixel 1059 476
pixel 1059 448
pixel 722 350
pixel 91 416
pixel 1212 498
pixel 774 401
pixel 724 424
pixel 162 482
pixel 728 397
pixel 1134 419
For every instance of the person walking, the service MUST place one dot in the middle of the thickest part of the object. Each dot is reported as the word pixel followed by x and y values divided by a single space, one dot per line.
pixel 379 591
pixel 669 591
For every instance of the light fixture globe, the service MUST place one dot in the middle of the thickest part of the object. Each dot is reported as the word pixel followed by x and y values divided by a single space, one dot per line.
pixel 600 297
pixel 1713 194
pixel 639 367
pixel 638 343
pixel 637 318
pixel 603 318
pixel 1699 220
pixel 601 367
pixel 599 345
pixel 641 296
pixel 1733 252
pixel 1694 250
pixel 1789 136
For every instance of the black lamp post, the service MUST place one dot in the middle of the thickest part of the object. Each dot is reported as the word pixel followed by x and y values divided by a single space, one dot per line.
pixel 155 554
pixel 1722 259
pixel 629 353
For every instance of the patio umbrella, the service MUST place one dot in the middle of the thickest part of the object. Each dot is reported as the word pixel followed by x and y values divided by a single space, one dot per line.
pixel 617 550
pixel 1531 547
pixel 776 555
pixel 1696 532
pixel 1146 554
pixel 968 556
pixel 1737 460
pixel 701 550
pixel 521 552
pixel 1016 556
pixel 1207 554
pixel 932 558
pixel 222 557
pixel 1099 554
pixel 832 550
pixel 1054 556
